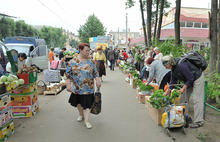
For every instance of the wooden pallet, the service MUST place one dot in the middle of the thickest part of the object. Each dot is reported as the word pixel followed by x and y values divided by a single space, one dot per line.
pixel 52 92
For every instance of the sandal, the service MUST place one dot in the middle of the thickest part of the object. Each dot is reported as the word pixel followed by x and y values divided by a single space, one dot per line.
pixel 196 125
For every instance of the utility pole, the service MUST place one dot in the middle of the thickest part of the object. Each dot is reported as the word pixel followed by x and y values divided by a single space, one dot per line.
pixel 118 37
pixel 126 32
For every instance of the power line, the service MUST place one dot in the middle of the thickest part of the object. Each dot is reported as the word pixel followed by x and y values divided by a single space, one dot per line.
pixel 61 7
pixel 56 15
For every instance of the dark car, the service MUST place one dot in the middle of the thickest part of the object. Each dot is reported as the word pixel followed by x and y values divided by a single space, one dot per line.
pixel 3 56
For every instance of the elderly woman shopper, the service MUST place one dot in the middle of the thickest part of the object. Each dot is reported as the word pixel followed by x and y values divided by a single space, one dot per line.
pixel 100 63
pixel 81 71
pixel 159 55
pixel 142 60
pixel 159 72
pixel 194 84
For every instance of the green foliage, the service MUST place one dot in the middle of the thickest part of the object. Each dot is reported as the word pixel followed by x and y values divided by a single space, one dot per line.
pixel 74 43
pixel 138 58
pixel 92 28
pixel 137 81
pixel 213 89
pixel 68 53
pixel 7 27
pixel 53 36
pixel 135 75
pixel 144 87
pixel 169 47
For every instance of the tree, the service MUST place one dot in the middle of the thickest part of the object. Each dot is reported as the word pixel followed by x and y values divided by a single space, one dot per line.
pixel 160 19
pixel 18 31
pixel 149 11
pixel 7 27
pixel 155 26
pixel 219 40
pixel 74 43
pixel 92 28
pixel 213 36
pixel 53 36
pixel 143 23
pixel 177 21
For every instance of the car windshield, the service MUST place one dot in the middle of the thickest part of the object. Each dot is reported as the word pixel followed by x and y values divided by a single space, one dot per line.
pixel 20 48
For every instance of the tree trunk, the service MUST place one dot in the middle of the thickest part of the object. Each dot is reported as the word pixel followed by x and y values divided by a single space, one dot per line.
pixel 149 9
pixel 143 23
pixel 219 39
pixel 155 26
pixel 177 22
pixel 213 36
pixel 160 19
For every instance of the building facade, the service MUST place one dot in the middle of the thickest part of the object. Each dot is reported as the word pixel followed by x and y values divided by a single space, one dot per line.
pixel 71 36
pixel 194 27
pixel 118 38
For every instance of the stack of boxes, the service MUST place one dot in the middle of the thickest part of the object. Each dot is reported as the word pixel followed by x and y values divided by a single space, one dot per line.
pixel 6 119
pixel 24 101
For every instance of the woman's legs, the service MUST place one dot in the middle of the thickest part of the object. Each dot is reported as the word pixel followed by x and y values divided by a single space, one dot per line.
pixel 87 114
pixel 80 109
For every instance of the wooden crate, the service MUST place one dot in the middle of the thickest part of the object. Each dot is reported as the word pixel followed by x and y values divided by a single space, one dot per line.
pixel 52 92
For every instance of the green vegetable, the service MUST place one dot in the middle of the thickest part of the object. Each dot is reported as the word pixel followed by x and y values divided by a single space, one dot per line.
pixel 21 81
pixel 3 78
pixel 143 87
pixel 135 75
pixel 138 58
pixel 157 100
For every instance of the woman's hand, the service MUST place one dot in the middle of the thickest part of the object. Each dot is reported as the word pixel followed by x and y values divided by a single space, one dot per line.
pixel 68 85
pixel 106 66
pixel 98 83
pixel 182 90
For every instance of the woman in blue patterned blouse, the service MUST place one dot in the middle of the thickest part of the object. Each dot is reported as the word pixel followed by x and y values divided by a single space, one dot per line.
pixel 81 71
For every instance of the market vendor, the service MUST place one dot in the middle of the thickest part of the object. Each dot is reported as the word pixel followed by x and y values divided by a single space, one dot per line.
pixel 62 66
pixel 20 62
pixel 194 84
pixel 159 72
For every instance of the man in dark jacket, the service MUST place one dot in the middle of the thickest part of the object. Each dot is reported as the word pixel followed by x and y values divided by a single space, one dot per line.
pixel 61 55
pixel 111 56
pixel 194 84
pixel 153 54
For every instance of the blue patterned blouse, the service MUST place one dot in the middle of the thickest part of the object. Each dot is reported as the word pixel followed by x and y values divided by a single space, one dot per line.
pixel 82 75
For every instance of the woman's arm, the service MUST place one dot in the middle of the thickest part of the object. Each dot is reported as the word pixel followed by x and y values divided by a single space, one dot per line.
pixel 68 85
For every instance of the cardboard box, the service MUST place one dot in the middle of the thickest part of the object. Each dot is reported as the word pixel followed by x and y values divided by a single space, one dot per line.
pixel 5 116
pixel 6 131
pixel 21 111
pixel 156 114
pixel 133 84
pixel 24 100
pixel 141 97
pixel 27 89
pixel 146 101
pixel 5 101
pixel 35 108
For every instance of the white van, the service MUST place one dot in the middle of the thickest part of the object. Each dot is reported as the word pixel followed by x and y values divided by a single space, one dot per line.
pixel 36 54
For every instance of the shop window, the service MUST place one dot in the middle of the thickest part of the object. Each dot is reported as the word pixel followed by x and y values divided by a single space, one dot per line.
pixel 197 25
pixel 182 24
pixel 189 24
pixel 205 25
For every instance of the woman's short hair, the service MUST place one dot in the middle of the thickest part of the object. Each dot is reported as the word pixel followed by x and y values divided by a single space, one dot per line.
pixel 146 48
pixel 82 45
pixel 22 55
pixel 142 50
pixel 156 48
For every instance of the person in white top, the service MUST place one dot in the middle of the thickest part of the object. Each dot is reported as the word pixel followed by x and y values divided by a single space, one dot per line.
pixel 95 51
pixel 20 63
pixel 159 55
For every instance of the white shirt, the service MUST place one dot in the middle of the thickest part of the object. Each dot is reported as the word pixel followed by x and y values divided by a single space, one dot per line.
pixel 21 64
pixel 159 56
pixel 8 67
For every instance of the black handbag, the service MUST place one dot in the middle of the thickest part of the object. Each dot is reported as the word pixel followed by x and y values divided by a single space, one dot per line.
pixel 96 107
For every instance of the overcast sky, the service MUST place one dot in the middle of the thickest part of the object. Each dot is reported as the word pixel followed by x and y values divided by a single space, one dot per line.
pixel 112 13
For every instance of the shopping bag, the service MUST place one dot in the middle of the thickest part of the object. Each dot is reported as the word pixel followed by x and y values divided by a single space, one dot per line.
pixel 109 63
pixel 96 107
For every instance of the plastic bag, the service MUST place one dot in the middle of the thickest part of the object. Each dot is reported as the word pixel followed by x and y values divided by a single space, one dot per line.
pixel 109 63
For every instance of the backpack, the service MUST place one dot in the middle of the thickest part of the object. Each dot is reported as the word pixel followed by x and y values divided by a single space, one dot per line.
pixel 54 65
pixel 195 58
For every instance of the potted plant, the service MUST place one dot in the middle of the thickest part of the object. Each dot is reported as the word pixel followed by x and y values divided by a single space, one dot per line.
pixel 146 89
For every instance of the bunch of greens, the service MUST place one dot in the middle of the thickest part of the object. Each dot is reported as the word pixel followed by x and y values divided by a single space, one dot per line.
pixel 135 75
pixel 159 101
pixel 144 87
pixel 138 58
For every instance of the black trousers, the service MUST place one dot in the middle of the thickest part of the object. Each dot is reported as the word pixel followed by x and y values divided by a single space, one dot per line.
pixel 166 79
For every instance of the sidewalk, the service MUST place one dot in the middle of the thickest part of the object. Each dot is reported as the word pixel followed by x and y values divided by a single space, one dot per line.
pixel 123 119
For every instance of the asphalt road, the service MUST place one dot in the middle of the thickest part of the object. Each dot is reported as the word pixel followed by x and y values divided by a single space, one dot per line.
pixel 123 119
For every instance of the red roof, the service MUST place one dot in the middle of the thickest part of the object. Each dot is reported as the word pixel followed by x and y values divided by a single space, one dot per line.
pixel 137 40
